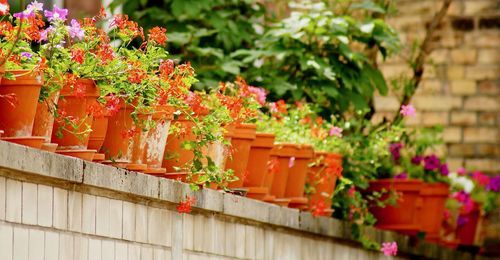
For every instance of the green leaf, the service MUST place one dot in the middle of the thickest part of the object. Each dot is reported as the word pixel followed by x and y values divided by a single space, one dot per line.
pixel 377 79
pixel 231 67
pixel 369 6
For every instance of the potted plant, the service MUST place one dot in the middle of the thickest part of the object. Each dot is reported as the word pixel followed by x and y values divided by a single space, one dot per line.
pixel 23 76
pixel 474 196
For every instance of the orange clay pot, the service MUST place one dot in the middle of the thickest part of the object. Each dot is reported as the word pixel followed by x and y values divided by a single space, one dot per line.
pixel 157 136
pixel 431 215
pixel 44 117
pixel 323 183
pixel 125 141
pixel 405 215
pixel 175 156
pixel 98 134
pixel 296 180
pixel 283 153
pixel 240 150
pixel 72 106
pixel 260 152
pixel 17 114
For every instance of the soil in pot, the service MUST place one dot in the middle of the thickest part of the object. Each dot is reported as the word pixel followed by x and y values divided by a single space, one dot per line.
pixel 18 101
pixel 404 216
pixel 241 141
pixel 434 197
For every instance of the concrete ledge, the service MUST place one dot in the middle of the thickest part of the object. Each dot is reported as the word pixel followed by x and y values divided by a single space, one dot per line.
pixel 19 160
pixel 25 159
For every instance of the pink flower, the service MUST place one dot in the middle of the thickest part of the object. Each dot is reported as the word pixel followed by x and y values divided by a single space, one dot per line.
pixel 291 162
pixel 389 248
pixel 56 14
pixel 75 31
pixel 259 93
pixel 336 131
pixel 461 171
pixel 407 110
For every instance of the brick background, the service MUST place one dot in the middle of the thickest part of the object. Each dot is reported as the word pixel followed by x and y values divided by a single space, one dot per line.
pixel 462 78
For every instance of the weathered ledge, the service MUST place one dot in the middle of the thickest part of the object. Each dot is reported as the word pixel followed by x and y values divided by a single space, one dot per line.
pixel 30 165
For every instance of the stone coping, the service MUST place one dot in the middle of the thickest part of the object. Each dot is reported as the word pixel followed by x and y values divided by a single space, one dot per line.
pixel 24 163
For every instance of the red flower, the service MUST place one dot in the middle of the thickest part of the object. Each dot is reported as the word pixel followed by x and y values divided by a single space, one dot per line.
pixel 166 68
pixel 158 35
pixel 273 166
pixel 4 7
pixel 105 53
pixel 185 206
pixel 333 166
pixel 319 209
pixel 136 76
pixel 96 110
pixel 126 134
pixel 112 104
pixel 78 56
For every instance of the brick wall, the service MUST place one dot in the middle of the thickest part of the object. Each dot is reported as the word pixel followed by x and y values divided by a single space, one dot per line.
pixel 461 86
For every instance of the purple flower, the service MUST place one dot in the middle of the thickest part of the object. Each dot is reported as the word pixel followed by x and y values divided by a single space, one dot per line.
pixel 444 169
pixel 75 31
pixel 30 10
pixel 44 34
pixel 259 93
pixel 494 184
pixel 395 149
pixel 26 55
pixel 56 14
pixel 417 159
pixel 431 163
pixel 401 176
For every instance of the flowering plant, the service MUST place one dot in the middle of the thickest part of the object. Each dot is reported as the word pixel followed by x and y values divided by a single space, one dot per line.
pixel 474 189
pixel 18 32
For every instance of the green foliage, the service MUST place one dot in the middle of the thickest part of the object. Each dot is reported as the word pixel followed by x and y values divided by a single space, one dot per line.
pixel 203 32
pixel 321 56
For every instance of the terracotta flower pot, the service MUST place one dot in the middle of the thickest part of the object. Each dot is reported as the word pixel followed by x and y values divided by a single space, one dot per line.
pixel 72 106
pixel 157 138
pixel 175 156
pixel 44 117
pixel 434 197
pixel 322 182
pixel 296 180
pixel 240 150
pixel 125 140
pixel 283 153
pixel 99 129
pixel 467 226
pixel 404 216
pixel 18 113
pixel 260 152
